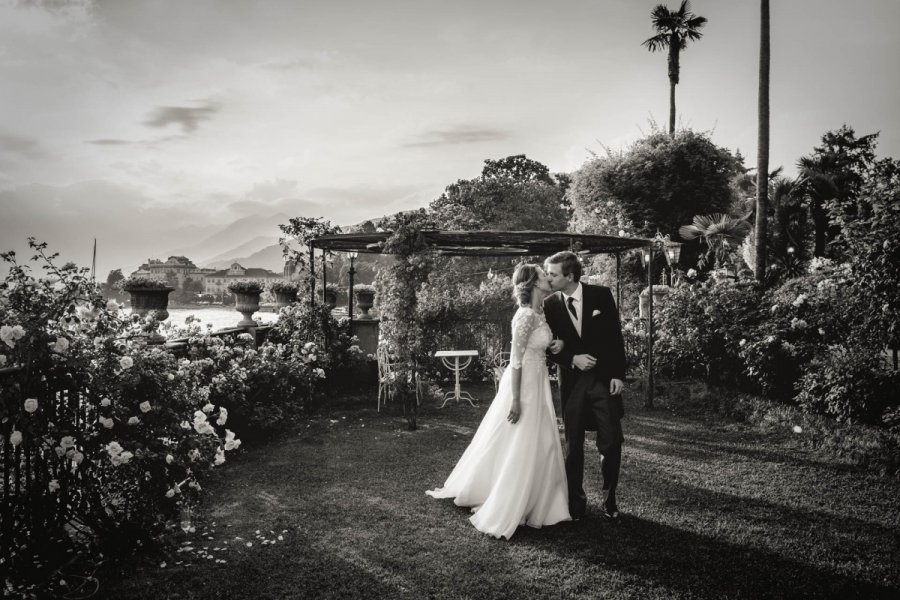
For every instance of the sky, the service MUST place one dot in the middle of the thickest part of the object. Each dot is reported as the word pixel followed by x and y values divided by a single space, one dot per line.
pixel 145 122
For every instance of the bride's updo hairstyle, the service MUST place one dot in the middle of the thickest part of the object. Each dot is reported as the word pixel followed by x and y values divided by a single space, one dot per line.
pixel 523 279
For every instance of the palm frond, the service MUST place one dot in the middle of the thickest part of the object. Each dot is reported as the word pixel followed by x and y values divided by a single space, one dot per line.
pixel 690 232
pixel 657 42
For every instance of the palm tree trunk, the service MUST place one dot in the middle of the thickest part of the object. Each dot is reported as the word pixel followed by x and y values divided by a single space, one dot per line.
pixel 762 153
pixel 674 43
pixel 671 108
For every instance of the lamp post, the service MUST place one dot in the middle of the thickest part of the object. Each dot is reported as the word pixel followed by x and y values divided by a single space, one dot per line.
pixel 673 253
pixel 353 254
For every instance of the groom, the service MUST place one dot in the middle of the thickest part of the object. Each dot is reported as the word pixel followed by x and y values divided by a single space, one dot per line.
pixel 591 375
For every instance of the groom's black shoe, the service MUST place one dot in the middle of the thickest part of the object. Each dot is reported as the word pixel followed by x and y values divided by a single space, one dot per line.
pixel 610 512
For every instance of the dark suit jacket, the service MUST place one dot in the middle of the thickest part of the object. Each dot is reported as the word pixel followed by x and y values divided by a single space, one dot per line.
pixel 601 337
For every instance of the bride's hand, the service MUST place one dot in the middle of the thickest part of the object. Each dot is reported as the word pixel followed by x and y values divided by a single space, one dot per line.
pixel 514 412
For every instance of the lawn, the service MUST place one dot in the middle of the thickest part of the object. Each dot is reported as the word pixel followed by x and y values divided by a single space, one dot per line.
pixel 713 509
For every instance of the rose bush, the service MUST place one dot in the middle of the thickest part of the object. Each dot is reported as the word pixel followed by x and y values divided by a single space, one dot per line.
pixel 122 435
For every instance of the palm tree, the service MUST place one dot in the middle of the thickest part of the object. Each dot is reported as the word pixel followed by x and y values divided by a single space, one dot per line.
pixel 720 233
pixel 762 152
pixel 674 29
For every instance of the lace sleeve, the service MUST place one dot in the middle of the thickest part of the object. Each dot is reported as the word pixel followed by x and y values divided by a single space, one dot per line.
pixel 522 325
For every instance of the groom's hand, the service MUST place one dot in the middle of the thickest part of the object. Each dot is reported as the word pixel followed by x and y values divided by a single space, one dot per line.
pixel 616 386
pixel 583 362
pixel 556 346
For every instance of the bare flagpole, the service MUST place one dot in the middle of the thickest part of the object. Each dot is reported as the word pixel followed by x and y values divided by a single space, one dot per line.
pixel 94 263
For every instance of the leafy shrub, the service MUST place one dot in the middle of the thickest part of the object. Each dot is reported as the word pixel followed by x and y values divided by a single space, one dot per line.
pixel 701 326
pixel 302 323
pixel 850 386
pixel 803 317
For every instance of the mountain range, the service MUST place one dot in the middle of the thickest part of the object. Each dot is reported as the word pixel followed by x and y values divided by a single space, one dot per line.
pixel 251 241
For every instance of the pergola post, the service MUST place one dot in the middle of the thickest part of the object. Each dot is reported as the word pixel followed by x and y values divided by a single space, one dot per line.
pixel 619 282
pixel 324 274
pixel 649 400
pixel 312 274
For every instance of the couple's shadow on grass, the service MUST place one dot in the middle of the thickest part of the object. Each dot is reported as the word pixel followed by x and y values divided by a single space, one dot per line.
pixel 697 566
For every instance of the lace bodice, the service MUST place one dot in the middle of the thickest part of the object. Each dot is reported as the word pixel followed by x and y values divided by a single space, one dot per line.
pixel 530 337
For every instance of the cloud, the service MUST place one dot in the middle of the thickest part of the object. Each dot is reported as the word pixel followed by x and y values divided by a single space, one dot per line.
pixel 458 135
pixel 188 117
pixel 21 146
pixel 108 142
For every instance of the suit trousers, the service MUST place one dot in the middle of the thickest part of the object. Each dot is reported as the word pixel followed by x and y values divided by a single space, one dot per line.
pixel 606 410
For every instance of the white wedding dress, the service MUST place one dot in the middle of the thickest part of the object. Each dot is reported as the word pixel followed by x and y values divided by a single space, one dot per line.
pixel 513 474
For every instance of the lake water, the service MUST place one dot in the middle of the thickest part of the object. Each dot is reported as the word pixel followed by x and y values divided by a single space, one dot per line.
pixel 221 317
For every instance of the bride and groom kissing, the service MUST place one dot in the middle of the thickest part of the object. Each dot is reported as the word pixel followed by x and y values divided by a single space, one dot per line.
pixel 514 471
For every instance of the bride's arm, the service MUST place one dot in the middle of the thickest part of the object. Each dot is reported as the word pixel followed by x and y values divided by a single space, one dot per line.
pixel 523 325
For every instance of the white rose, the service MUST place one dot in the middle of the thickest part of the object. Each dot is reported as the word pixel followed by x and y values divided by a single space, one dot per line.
pixel 53 485
pixel 207 409
pixel 112 305
pixel 2 360
pixel 77 457
pixel 60 346
pixel 6 335
pixel 220 456
pixel 106 422
pixel 126 456
pixel 169 459
pixel 15 438
pixel 126 362
pixel 113 448
pixel 133 421
pixel 60 451
pixel 144 406
pixel 223 416
pixel 170 376
pixel 67 441
pixel 105 402
pixel 31 405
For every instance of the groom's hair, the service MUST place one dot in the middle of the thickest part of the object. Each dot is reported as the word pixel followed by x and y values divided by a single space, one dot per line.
pixel 569 262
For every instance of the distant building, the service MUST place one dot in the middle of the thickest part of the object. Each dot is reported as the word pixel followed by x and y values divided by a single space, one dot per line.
pixel 217 282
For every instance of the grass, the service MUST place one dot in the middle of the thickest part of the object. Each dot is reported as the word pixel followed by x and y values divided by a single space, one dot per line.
pixel 714 508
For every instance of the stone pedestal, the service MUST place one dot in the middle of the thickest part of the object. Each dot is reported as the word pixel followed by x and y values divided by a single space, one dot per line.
pixel 367 332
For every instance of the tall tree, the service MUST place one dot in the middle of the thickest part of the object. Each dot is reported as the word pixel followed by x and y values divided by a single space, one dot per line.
pixel 835 170
pixel 674 29
pixel 762 152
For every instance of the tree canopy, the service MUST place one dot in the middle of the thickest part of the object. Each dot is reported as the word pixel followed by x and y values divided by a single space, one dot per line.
pixel 660 183
pixel 512 193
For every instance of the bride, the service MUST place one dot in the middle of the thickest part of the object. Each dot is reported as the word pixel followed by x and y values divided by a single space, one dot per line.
pixel 512 473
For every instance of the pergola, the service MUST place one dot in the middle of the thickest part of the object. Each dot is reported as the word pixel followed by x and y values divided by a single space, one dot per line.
pixel 499 244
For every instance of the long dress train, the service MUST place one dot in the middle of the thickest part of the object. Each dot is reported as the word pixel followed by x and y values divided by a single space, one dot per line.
pixel 514 474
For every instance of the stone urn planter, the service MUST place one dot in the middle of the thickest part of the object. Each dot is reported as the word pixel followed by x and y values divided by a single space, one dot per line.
pixel 331 296
pixel 365 299
pixel 285 293
pixel 146 297
pixel 660 295
pixel 149 296
pixel 283 299
pixel 246 300
pixel 246 303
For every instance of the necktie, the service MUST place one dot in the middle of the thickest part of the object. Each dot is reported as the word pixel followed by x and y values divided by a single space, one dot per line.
pixel 570 301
